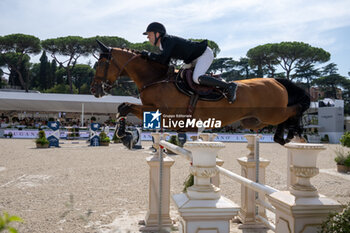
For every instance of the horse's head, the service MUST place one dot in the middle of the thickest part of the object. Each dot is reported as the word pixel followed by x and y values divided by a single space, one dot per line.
pixel 114 63
pixel 106 72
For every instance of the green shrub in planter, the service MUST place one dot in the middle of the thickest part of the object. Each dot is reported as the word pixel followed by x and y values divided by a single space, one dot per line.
pixel 104 137
pixel 42 138
pixel 342 158
pixel 345 139
pixel 337 222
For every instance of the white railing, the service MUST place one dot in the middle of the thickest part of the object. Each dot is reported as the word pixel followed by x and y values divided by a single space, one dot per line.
pixel 200 202
pixel 262 189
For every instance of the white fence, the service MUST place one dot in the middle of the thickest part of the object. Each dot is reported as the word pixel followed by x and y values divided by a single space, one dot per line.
pixel 204 209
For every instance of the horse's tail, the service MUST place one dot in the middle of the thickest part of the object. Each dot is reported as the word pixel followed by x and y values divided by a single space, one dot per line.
pixel 298 98
pixel 296 95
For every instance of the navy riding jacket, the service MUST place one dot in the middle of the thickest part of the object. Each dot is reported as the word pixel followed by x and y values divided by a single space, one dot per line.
pixel 178 48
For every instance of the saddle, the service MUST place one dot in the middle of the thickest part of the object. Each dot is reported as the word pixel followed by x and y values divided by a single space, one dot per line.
pixel 184 83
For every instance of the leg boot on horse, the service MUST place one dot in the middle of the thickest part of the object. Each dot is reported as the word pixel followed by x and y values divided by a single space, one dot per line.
pixel 229 89
pixel 126 137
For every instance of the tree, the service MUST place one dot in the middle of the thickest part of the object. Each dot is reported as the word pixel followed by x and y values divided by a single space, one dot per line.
pixel 82 74
pixel 243 68
pixel 72 47
pixel 346 96
pixel 263 58
pixel 111 41
pixel 288 55
pixel 220 64
pixel 331 68
pixel 330 83
pixel 307 72
pixel 44 72
pixel 14 49
pixel 52 74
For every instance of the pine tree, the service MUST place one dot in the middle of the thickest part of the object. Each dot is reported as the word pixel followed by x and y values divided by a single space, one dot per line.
pixel 44 72
pixel 53 69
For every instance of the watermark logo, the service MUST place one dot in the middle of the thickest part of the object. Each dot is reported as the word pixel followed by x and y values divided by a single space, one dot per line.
pixel 151 120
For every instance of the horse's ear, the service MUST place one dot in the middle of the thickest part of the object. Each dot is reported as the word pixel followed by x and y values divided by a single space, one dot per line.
pixel 103 47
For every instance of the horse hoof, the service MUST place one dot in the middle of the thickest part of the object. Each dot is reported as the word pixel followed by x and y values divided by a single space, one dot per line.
pixel 279 140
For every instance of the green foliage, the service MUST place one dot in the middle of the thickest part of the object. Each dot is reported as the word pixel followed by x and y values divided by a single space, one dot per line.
pixel 72 47
pixel 337 222
pixel 174 140
pixel 104 137
pixel 329 84
pixel 188 182
pixel 61 88
pixel 287 54
pixel 14 50
pixel 6 220
pixel 345 139
pixel 342 157
pixel 42 140
pixel 82 74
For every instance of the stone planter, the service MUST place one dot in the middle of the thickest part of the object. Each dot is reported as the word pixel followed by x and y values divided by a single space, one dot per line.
pixel 38 145
pixel 343 168
pixel 303 167
pixel 104 143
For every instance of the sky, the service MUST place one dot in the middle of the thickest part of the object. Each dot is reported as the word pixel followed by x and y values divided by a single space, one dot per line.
pixel 235 25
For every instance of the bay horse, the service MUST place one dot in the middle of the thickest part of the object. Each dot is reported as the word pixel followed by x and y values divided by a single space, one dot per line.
pixel 259 102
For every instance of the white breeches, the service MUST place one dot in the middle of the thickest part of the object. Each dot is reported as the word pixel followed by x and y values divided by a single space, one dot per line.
pixel 201 64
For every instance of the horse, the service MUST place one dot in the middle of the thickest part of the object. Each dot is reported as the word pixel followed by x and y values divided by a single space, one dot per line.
pixel 260 102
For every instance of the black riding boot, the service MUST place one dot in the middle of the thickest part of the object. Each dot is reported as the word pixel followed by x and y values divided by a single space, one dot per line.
pixel 229 89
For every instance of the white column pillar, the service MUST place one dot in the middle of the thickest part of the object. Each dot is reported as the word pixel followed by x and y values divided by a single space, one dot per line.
pixel 302 208
pixel 248 205
pixel 202 208
pixel 152 217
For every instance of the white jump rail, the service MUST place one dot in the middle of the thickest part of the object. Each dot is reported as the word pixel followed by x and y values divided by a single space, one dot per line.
pixel 176 149
pixel 311 210
pixel 257 187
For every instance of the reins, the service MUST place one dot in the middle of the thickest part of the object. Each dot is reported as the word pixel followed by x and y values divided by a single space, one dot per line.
pixel 110 86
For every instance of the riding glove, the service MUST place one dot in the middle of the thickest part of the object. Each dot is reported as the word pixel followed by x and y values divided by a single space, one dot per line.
pixel 145 54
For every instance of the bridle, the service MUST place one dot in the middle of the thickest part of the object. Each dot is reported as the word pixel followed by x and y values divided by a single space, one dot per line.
pixel 106 84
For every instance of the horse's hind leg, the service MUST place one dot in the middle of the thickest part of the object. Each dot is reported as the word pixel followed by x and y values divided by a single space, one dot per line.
pixel 279 134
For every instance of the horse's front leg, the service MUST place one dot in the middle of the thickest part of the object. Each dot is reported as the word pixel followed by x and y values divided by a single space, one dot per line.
pixel 125 108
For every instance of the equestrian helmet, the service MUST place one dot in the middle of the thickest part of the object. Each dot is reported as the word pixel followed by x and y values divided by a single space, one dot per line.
pixel 155 27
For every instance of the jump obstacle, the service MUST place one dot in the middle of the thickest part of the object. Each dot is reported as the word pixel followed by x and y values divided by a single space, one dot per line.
pixel 299 208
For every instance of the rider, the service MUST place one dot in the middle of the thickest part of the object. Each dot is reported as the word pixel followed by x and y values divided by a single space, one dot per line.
pixel 197 53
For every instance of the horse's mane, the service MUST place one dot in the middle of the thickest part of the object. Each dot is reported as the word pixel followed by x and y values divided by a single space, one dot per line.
pixel 135 52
